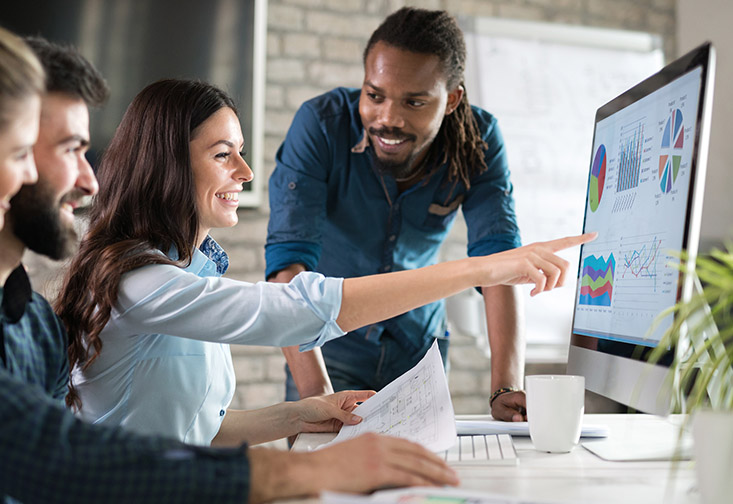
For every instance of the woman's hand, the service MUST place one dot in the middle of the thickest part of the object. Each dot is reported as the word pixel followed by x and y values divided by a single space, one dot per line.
pixel 314 414
pixel 328 413
pixel 536 263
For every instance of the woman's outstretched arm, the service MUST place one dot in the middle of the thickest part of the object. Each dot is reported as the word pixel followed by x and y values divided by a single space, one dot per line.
pixel 373 298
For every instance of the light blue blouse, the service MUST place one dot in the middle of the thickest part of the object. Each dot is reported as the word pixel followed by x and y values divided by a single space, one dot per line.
pixel 165 367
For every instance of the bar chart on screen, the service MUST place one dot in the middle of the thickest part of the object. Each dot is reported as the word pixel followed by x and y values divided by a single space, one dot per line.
pixel 629 157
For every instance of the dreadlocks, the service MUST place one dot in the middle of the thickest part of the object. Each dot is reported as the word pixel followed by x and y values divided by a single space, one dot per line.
pixel 437 32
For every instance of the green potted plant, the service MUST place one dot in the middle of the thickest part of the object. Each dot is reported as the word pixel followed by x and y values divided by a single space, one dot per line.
pixel 702 334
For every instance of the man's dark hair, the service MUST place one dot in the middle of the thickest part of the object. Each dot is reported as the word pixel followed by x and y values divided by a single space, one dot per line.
pixel 437 32
pixel 67 71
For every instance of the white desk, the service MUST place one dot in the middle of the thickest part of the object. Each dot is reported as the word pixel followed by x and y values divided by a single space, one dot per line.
pixel 578 476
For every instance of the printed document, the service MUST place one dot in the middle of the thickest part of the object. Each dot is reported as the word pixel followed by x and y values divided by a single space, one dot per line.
pixel 422 495
pixel 415 406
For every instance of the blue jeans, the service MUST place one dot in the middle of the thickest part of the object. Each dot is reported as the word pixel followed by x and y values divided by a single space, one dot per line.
pixel 354 363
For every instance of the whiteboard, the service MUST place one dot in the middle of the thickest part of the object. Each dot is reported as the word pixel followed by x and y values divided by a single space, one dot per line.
pixel 544 83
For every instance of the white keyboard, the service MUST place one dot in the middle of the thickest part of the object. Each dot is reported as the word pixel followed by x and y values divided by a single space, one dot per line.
pixel 483 449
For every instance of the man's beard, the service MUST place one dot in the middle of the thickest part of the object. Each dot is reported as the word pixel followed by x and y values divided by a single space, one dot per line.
pixel 36 221
pixel 398 169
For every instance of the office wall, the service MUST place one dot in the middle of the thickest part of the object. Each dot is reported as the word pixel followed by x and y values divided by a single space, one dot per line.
pixel 698 21
pixel 314 45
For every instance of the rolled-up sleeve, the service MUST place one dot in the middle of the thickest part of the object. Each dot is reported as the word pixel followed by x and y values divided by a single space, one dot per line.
pixel 298 194
pixel 167 300
pixel 489 204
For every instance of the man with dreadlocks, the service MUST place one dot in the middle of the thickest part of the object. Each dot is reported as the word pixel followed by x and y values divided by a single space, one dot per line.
pixel 369 181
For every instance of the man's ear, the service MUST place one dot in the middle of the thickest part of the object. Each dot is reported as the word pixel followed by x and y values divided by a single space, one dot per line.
pixel 454 99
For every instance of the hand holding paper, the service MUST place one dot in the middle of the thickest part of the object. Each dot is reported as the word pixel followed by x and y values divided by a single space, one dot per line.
pixel 415 406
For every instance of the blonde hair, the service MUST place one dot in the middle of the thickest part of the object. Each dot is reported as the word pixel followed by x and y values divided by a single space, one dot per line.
pixel 21 74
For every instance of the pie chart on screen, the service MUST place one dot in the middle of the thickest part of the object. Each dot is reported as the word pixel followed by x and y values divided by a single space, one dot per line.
pixel 671 152
pixel 597 178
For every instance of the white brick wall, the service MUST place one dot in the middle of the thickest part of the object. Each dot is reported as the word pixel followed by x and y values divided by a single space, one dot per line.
pixel 314 45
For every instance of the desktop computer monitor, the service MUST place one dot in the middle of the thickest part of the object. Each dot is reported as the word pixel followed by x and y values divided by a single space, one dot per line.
pixel 644 198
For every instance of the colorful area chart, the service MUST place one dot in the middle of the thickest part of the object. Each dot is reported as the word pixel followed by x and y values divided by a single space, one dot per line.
pixel 596 285
pixel 597 178
pixel 671 153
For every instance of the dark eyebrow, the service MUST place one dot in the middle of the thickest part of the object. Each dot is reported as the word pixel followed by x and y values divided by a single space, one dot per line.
pixel 225 142
pixel 84 142
pixel 409 95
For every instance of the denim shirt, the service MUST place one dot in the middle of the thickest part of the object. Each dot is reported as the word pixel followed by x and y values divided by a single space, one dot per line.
pixel 165 367
pixel 332 211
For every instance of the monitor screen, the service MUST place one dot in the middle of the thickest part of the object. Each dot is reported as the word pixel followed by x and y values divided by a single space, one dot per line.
pixel 644 198
pixel 637 200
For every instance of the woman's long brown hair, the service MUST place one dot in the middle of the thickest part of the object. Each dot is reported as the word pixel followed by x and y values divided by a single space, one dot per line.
pixel 146 201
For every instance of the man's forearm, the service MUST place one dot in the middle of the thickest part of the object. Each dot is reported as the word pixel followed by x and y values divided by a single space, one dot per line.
pixel 506 336
pixel 277 475
pixel 308 369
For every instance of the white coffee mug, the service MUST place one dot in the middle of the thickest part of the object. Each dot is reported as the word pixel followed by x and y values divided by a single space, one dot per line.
pixel 555 406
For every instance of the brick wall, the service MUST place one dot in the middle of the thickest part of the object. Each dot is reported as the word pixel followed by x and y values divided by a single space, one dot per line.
pixel 315 45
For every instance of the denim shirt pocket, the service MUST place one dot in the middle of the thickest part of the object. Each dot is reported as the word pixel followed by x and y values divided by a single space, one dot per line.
pixel 440 216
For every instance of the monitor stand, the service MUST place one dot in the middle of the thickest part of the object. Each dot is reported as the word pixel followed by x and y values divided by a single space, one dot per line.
pixel 651 438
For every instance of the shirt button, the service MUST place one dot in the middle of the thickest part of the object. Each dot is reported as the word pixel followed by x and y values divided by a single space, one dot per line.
pixel 222 412
pixel 392 238
pixel 387 268
pixel 291 185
